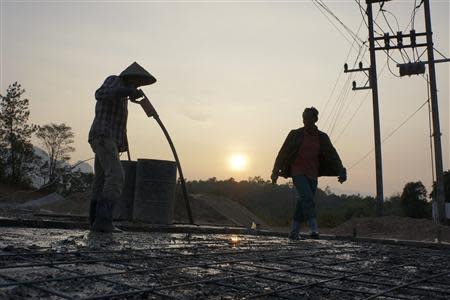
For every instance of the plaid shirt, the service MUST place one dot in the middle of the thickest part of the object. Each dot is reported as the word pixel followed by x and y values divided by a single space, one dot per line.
pixel 111 112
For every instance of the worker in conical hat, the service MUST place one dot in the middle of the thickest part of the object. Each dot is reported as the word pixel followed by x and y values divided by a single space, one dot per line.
pixel 107 138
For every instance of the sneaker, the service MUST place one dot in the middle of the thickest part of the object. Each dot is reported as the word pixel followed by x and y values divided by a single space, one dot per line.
pixel 315 235
pixel 294 236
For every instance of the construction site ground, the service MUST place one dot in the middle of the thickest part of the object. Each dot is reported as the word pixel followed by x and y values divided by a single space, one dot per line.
pixel 53 263
pixel 47 252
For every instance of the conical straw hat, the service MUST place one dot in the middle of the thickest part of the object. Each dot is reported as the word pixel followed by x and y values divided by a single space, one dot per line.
pixel 138 74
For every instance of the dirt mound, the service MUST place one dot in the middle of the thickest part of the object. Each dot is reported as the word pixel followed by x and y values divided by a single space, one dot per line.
pixel 231 210
pixel 75 204
pixel 16 195
pixel 201 211
pixel 394 227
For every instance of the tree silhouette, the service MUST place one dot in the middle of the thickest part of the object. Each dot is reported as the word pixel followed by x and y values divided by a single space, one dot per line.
pixel 414 200
pixel 57 139
pixel 446 186
pixel 16 150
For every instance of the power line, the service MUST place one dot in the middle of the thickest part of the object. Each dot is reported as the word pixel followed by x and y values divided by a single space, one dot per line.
pixel 343 93
pixel 340 73
pixel 440 53
pixel 413 15
pixel 361 9
pixel 357 110
pixel 390 134
pixel 343 100
pixel 354 36
pixel 332 23
pixel 383 11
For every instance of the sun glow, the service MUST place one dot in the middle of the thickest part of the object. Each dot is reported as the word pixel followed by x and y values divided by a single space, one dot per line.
pixel 238 162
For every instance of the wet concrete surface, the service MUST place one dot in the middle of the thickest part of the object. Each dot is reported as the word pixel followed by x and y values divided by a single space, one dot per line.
pixel 78 264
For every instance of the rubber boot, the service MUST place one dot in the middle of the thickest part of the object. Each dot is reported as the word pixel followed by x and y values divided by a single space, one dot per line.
pixel 92 211
pixel 103 217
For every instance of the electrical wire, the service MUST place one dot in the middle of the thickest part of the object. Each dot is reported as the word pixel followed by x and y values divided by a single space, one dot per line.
pixel 344 91
pixel 358 109
pixel 340 74
pixel 343 99
pixel 390 134
pixel 334 25
pixel 440 53
pixel 361 9
pixel 356 40
pixel 389 67
pixel 384 11
pixel 413 15
pixel 327 9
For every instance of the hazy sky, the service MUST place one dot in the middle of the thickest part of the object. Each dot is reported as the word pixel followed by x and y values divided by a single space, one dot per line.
pixel 233 78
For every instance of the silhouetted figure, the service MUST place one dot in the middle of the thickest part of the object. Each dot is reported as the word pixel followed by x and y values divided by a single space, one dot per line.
pixel 108 138
pixel 306 154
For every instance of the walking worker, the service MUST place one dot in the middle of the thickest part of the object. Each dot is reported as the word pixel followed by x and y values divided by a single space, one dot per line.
pixel 306 154
pixel 108 138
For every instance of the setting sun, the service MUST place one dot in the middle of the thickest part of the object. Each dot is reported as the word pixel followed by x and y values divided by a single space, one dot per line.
pixel 238 162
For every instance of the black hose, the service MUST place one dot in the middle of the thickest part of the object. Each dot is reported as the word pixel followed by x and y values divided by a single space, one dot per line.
pixel 151 113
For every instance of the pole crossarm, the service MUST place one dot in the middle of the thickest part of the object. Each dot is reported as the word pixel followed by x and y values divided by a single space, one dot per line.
pixel 399 38
pixel 400 47
pixel 360 69
pixel 412 34
pixel 362 88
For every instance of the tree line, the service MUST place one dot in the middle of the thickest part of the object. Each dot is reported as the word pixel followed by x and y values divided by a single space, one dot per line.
pixel 20 163
pixel 275 203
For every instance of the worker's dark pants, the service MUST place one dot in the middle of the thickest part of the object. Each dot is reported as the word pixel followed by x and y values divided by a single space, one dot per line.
pixel 306 190
pixel 108 180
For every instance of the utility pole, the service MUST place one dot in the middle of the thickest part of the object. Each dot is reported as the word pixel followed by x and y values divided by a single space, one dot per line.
pixel 373 85
pixel 440 194
pixel 376 114
pixel 410 68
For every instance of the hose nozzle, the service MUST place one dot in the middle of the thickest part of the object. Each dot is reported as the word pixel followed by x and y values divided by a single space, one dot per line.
pixel 146 105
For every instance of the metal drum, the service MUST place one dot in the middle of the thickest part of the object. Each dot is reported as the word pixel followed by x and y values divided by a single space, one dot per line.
pixel 154 191
pixel 123 208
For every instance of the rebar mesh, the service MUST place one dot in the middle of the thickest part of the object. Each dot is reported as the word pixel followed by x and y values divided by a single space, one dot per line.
pixel 55 264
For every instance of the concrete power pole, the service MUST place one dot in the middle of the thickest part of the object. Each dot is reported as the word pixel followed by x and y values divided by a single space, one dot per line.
pixel 376 113
pixel 440 194
pixel 373 85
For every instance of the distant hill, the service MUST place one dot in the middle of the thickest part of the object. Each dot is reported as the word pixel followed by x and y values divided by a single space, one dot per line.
pixel 38 181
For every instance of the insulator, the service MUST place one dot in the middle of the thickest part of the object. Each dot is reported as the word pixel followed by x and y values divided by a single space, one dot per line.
pixel 386 40
pixel 399 38
pixel 413 38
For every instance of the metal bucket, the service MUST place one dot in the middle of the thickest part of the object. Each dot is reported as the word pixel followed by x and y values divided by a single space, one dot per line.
pixel 123 208
pixel 154 191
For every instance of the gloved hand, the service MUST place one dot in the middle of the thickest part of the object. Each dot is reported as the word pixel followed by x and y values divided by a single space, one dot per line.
pixel 274 178
pixel 136 93
pixel 342 176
